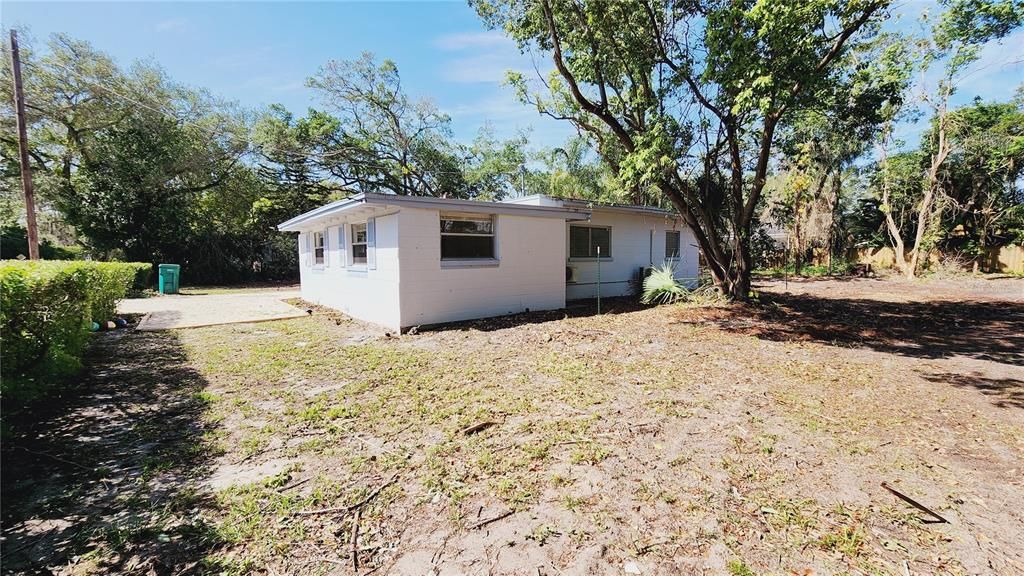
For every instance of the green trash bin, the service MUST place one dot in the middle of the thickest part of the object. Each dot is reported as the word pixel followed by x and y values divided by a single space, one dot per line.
pixel 168 278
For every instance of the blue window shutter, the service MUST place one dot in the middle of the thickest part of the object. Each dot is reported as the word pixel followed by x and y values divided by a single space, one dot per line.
pixel 371 243
pixel 342 253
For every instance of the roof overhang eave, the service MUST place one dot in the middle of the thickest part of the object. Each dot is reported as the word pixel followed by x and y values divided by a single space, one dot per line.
pixel 302 221
pixel 295 224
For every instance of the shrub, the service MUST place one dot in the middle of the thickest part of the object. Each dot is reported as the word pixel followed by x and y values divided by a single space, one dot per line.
pixel 840 267
pixel 661 286
pixel 45 311
pixel 143 279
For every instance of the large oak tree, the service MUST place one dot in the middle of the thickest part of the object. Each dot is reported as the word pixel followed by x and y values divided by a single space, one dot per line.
pixel 686 96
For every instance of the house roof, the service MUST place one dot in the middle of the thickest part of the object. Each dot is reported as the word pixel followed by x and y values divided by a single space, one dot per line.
pixel 368 199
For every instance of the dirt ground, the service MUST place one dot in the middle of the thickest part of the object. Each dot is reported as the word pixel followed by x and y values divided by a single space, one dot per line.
pixel 673 440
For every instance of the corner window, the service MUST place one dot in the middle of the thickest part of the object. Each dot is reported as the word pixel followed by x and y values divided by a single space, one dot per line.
pixel 671 244
pixel 585 241
pixel 467 237
pixel 318 248
pixel 359 243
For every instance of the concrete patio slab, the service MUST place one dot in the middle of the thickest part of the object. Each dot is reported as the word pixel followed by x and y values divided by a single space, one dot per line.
pixel 192 311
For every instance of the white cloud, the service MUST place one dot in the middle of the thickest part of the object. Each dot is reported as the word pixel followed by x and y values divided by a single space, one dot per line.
pixel 508 118
pixel 172 25
pixel 246 59
pixel 484 58
pixel 499 106
pixel 994 77
pixel 489 67
pixel 480 57
pixel 273 83
pixel 466 40
pixel 295 86
pixel 998 71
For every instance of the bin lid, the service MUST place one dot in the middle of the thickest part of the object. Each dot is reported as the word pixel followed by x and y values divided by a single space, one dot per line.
pixel 169 266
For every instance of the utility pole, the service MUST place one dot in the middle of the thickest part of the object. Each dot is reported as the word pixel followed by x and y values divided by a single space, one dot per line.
pixel 26 171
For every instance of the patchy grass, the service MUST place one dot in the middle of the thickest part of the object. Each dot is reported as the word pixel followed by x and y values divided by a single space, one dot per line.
pixel 679 438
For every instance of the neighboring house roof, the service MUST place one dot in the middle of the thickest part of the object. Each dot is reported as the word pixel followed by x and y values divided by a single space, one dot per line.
pixel 778 234
pixel 358 201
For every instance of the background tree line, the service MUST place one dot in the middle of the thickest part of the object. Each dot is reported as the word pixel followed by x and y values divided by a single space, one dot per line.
pixel 131 165
pixel 741 116
pixel 752 115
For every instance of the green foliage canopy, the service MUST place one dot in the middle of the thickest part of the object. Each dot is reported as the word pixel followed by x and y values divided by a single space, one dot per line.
pixel 686 97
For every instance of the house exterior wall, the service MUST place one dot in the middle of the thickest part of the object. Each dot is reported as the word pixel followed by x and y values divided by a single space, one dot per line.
pixel 407 284
pixel 632 246
pixel 529 273
pixel 359 291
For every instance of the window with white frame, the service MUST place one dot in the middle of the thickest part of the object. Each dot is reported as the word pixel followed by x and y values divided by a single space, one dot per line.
pixel 318 248
pixel 672 239
pixel 359 243
pixel 588 241
pixel 467 237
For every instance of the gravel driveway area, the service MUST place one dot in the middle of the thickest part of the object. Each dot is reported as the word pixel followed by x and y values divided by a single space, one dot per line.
pixel 190 311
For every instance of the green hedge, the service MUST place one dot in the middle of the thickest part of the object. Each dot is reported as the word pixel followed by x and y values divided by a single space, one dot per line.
pixel 46 308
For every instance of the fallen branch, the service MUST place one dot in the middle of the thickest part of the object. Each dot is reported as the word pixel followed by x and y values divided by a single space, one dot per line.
pixel 294 484
pixel 355 540
pixel 914 503
pixel 478 427
pixel 351 507
pixel 260 453
pixel 57 458
pixel 483 523
pixel 376 491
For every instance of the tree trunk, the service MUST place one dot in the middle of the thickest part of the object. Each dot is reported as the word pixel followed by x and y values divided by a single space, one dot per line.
pixel 739 288
pixel 923 216
pixel 833 204
pixel 798 259
pixel 895 236
pixel 924 212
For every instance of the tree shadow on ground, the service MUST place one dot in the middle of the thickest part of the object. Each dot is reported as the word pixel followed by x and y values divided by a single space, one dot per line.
pixel 1004 392
pixel 991 331
pixel 105 474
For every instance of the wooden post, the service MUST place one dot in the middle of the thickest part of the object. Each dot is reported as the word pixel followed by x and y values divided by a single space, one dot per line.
pixel 26 170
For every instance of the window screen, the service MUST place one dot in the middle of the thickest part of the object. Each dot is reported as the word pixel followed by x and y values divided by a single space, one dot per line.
pixel 318 247
pixel 467 237
pixel 671 244
pixel 584 241
pixel 359 243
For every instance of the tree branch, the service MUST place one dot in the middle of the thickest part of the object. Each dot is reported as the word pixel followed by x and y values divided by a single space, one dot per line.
pixel 583 101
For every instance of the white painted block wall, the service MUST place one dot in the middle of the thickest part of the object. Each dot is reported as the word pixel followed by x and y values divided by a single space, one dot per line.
pixel 411 287
pixel 632 247
pixel 530 273
pixel 370 295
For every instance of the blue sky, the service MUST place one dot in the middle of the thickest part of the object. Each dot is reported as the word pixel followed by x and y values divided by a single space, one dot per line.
pixel 260 53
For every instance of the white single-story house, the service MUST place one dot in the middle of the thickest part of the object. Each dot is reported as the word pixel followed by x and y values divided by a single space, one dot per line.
pixel 403 261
